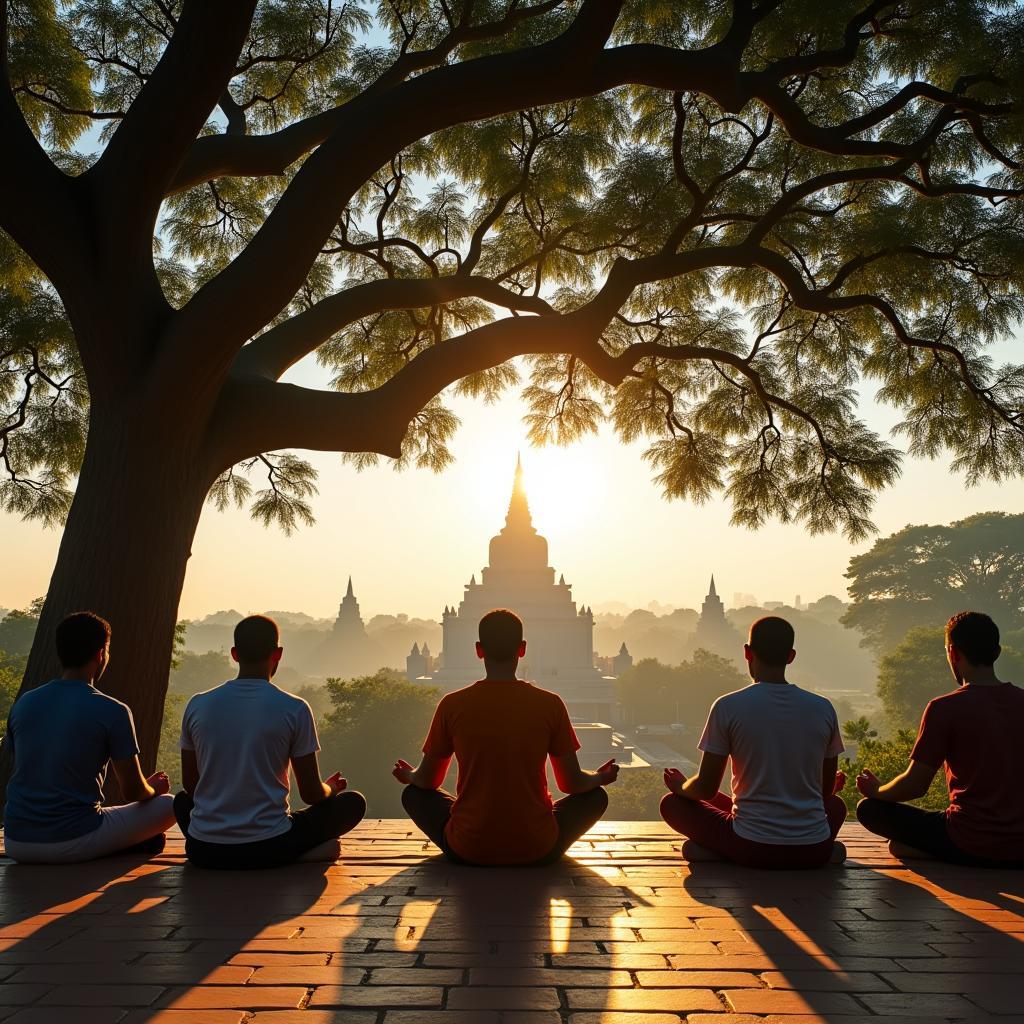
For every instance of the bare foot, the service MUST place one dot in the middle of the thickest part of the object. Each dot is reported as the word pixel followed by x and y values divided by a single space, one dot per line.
pixel 695 853
pixel 838 853
pixel 903 852
pixel 329 851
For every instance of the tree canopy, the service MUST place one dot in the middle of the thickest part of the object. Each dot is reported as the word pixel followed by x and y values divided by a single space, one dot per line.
pixel 921 575
pixel 916 670
pixel 705 221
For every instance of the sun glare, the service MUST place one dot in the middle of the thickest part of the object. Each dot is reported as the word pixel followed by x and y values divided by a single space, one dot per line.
pixel 562 484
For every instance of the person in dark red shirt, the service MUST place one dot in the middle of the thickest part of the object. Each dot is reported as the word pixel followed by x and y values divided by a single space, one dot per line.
pixel 975 731
pixel 502 730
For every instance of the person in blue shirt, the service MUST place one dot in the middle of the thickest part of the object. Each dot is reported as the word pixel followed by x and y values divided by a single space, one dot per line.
pixel 64 734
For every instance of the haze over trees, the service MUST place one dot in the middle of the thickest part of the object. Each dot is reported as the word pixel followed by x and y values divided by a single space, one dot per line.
pixel 706 220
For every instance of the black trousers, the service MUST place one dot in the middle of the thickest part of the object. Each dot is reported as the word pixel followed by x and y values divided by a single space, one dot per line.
pixel 923 830
pixel 311 826
pixel 430 810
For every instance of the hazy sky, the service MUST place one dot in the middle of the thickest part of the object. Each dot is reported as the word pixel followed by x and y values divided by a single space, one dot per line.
pixel 411 540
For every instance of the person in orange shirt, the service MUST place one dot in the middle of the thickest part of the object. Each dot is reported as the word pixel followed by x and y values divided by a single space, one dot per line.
pixel 501 731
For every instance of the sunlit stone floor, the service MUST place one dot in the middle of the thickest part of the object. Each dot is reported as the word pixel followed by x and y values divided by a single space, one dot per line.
pixel 623 933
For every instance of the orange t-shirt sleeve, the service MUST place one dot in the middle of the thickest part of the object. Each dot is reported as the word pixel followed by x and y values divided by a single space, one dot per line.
pixel 563 735
pixel 439 739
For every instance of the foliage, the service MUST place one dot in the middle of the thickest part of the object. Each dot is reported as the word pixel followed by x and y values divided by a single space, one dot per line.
pixel 197 672
pixel 18 628
pixel 168 758
pixel 636 795
pixel 921 575
pixel 887 759
pixel 842 179
pixel 859 730
pixel 917 670
pixel 653 693
pixel 11 670
pixel 373 722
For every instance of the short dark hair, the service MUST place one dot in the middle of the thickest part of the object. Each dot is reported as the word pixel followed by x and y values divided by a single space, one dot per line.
pixel 975 636
pixel 79 637
pixel 256 638
pixel 501 633
pixel 771 639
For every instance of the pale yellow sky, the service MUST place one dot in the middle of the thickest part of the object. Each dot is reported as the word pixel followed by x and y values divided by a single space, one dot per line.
pixel 411 540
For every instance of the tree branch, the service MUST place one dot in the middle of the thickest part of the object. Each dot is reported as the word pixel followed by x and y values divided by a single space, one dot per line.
pixel 274 351
pixel 142 158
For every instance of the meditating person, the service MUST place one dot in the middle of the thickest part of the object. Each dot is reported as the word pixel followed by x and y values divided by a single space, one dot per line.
pixel 976 732
pixel 64 734
pixel 502 730
pixel 237 742
pixel 784 743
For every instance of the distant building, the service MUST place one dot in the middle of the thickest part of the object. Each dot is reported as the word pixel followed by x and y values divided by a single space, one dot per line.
pixel 714 632
pixel 347 650
pixel 419 662
pixel 613 664
pixel 559 636
pixel 622 661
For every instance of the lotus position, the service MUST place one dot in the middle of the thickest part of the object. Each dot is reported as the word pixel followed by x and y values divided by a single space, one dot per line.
pixel 237 742
pixel 64 735
pixel 784 743
pixel 501 731
pixel 975 731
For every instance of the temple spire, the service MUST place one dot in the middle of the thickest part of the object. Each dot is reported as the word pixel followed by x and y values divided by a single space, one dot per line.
pixel 349 593
pixel 518 517
pixel 712 592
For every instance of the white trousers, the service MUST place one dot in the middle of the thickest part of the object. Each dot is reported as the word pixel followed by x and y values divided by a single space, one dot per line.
pixel 120 827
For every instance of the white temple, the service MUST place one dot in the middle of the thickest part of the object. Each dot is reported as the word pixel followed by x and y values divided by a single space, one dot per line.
pixel 559 637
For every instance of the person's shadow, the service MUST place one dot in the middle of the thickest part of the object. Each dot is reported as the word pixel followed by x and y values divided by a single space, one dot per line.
pixel 144 934
pixel 911 938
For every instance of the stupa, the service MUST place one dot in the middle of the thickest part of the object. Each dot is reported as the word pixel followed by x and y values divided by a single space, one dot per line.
pixel 559 636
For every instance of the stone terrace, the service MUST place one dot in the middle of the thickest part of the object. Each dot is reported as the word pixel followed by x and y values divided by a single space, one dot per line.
pixel 624 933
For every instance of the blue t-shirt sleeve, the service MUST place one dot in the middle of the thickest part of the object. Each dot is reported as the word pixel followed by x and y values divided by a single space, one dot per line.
pixel 121 734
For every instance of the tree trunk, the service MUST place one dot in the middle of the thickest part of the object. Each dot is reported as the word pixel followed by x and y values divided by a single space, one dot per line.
pixel 123 555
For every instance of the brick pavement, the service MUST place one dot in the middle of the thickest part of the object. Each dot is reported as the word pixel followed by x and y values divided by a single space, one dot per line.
pixel 624 933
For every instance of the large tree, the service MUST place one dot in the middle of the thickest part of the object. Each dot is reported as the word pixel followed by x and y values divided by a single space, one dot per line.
pixel 920 576
pixel 707 219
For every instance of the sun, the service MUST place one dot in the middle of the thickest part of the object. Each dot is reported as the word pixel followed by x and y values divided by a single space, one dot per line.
pixel 562 484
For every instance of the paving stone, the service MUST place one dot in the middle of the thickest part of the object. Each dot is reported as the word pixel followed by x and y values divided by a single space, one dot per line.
pixel 377 995
pixel 503 998
pixel 100 995
pixel 674 1000
pixel 779 1001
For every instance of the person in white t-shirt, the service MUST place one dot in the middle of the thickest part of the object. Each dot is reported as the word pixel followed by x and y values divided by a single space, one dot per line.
pixel 784 743
pixel 237 742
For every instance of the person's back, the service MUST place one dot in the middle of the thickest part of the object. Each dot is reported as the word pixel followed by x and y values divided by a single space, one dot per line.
pixel 784 744
pixel 502 730
pixel 238 743
pixel 976 731
pixel 502 734
pixel 777 735
pixel 63 734
pixel 244 734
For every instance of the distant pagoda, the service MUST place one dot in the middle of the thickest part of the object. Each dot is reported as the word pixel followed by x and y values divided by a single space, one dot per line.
pixel 347 650
pixel 559 637
pixel 714 631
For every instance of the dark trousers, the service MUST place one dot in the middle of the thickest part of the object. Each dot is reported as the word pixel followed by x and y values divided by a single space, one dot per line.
pixel 923 830
pixel 430 810
pixel 710 824
pixel 311 826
